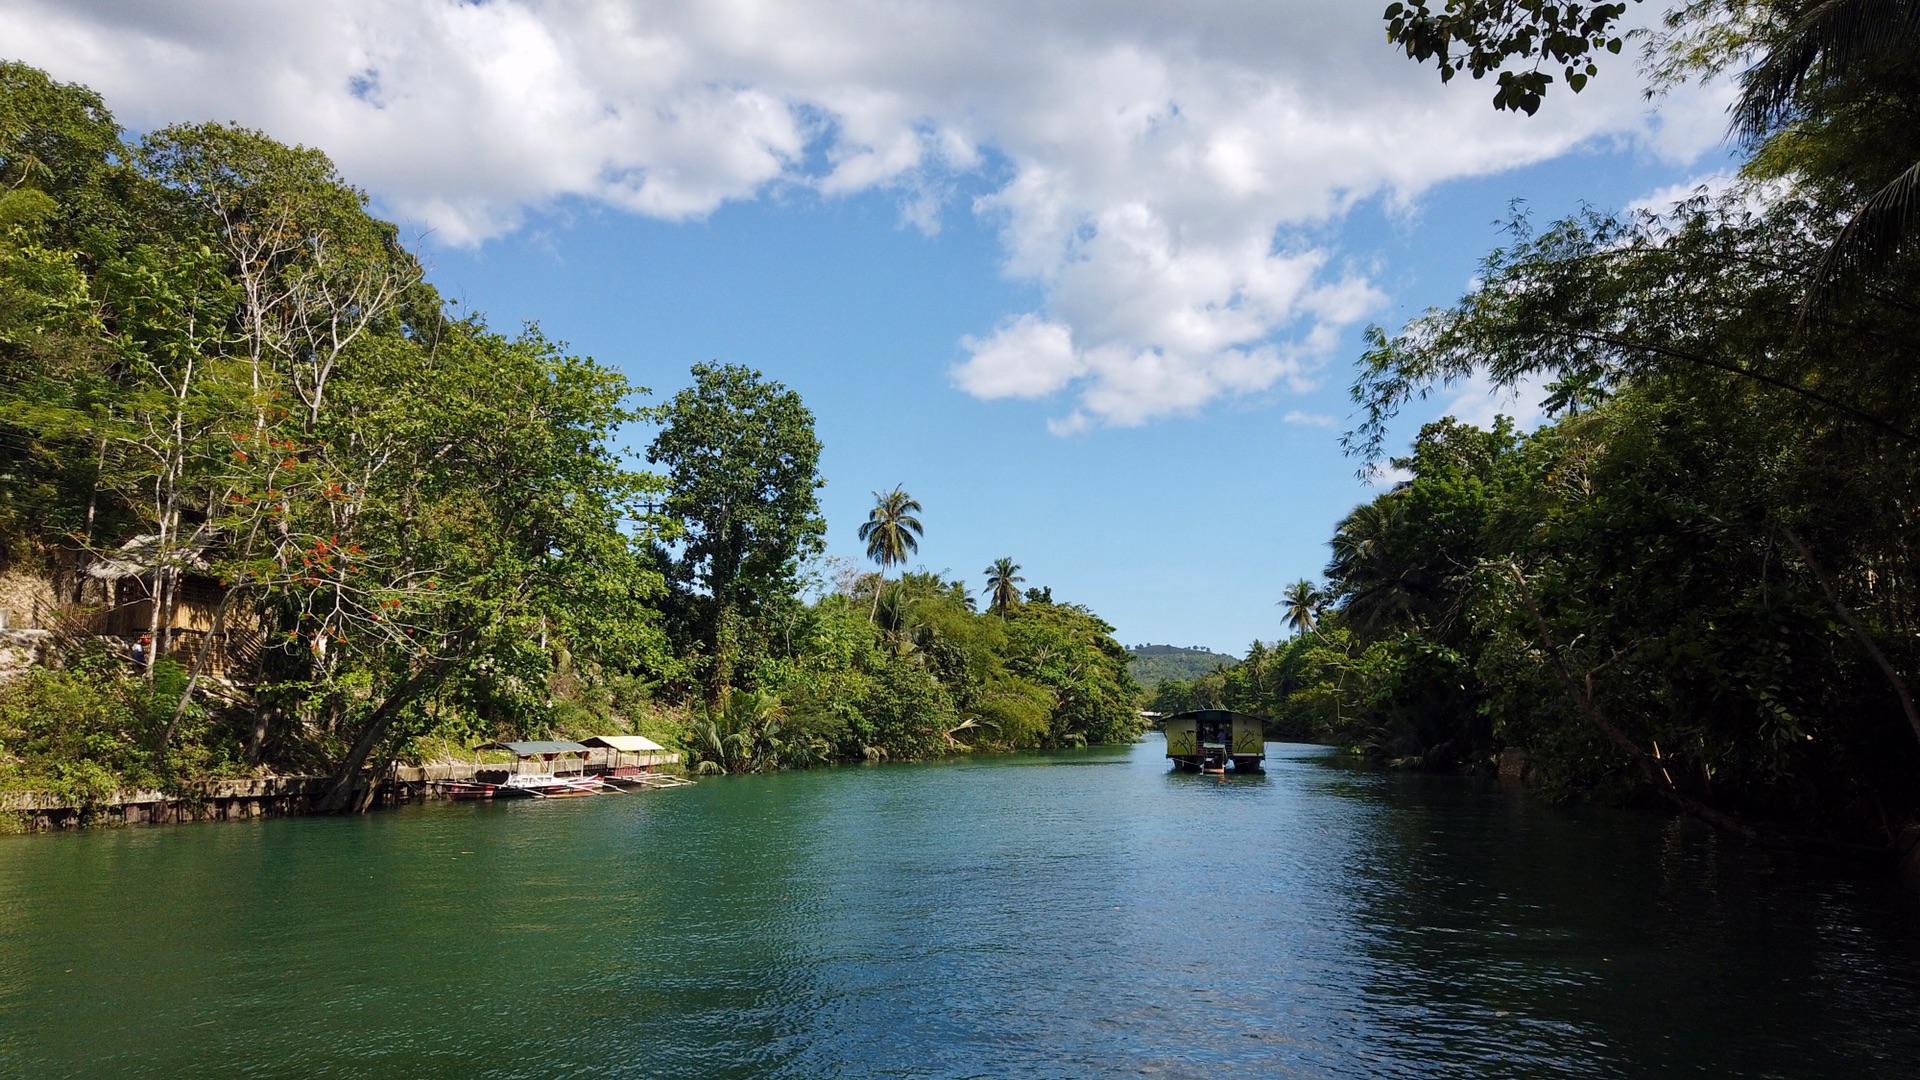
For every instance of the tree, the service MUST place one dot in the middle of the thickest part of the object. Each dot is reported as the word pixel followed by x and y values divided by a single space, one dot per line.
pixel 1843 70
pixel 1371 571
pixel 891 532
pixel 1003 585
pixel 1826 75
pixel 460 530
pixel 1481 36
pixel 742 465
pixel 1303 602
pixel 1071 652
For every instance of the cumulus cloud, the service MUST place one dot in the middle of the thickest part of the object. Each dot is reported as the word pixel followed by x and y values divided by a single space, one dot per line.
pixel 1166 173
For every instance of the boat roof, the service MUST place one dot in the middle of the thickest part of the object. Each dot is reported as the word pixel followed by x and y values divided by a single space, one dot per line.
pixel 536 748
pixel 1212 714
pixel 626 744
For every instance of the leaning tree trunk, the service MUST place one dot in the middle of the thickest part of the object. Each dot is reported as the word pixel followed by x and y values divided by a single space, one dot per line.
pixel 1655 772
pixel 340 796
pixel 1860 632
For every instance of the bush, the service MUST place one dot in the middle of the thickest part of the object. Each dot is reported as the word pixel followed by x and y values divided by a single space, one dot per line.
pixel 79 734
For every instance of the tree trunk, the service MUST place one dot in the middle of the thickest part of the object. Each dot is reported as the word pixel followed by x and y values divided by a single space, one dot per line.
pixel 720 677
pixel 341 793
pixel 199 664
pixel 1859 629
pixel 1655 772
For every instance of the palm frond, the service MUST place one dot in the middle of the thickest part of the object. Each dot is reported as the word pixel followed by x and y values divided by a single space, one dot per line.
pixel 1877 232
pixel 1831 40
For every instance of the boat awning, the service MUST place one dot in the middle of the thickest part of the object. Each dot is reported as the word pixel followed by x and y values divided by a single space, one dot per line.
pixel 625 744
pixel 538 748
pixel 1213 715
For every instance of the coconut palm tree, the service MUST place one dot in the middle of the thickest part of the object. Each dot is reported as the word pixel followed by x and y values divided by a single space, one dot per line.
pixel 1003 585
pixel 892 532
pixel 1827 59
pixel 1378 585
pixel 1303 603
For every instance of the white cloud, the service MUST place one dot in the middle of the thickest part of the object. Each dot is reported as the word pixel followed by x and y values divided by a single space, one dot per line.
pixel 1169 170
pixel 1480 402
pixel 1724 188
pixel 1026 358
pixel 1309 419
pixel 1663 200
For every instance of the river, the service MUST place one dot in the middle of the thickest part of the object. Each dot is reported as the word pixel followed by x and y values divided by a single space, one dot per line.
pixel 1048 915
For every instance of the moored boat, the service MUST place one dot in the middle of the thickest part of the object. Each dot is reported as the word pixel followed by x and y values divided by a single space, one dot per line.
pixel 627 760
pixel 547 769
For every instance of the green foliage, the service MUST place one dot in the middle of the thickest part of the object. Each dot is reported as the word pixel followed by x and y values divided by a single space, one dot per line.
pixel 891 531
pixel 1151 665
pixel 1827 94
pixel 1698 581
pixel 1003 586
pixel 84 733
pixel 927 675
pixel 1512 37
pixel 1071 652
pixel 209 344
pixel 209 341
pixel 749 732
pixel 741 462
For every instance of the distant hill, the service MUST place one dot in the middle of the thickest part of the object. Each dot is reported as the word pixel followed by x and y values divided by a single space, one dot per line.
pixel 1154 663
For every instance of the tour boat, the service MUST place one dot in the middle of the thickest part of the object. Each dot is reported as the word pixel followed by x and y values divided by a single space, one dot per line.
pixel 1207 739
pixel 628 759
pixel 535 773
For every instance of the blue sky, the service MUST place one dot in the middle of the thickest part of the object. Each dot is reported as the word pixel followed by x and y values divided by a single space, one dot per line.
pixel 1088 278
pixel 1182 531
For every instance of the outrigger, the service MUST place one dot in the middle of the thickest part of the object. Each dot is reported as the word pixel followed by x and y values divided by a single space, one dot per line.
pixel 536 772
pixel 629 761
pixel 1205 740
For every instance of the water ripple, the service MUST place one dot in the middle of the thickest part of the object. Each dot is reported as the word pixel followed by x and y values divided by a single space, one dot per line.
pixel 1022 916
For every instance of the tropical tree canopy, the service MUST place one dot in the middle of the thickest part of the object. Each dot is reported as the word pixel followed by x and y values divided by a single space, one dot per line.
pixel 891 531
pixel 741 462
pixel 1003 585
pixel 1302 602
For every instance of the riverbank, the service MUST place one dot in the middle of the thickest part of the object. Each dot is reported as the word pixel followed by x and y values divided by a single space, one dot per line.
pixel 244 799
pixel 213 800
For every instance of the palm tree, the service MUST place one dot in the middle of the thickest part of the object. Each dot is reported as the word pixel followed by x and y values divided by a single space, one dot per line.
pixel 891 532
pixel 1380 587
pixel 1003 585
pixel 1303 603
pixel 1828 57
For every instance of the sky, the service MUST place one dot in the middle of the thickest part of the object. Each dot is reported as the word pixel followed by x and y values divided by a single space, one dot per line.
pixel 1088 279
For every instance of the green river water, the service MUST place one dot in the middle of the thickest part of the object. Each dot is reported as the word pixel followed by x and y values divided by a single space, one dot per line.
pixel 1066 915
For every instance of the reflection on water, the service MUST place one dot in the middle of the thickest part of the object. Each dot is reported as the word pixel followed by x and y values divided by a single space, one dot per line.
pixel 1010 916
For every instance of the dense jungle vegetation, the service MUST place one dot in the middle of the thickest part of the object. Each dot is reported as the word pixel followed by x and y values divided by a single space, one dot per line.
pixel 1698 582
pixel 1155 664
pixel 211 349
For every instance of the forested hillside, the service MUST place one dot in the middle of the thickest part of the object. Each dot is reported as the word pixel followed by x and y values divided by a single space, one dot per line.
pixel 1153 664
pixel 350 519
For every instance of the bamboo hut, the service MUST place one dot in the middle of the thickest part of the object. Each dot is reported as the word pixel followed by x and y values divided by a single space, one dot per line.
pixel 179 580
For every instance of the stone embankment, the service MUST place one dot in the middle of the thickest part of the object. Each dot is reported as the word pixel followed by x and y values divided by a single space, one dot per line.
pixel 216 800
pixel 238 800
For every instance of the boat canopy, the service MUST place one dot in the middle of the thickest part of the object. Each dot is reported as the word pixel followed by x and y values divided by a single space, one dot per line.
pixel 1214 715
pixel 537 749
pixel 625 744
